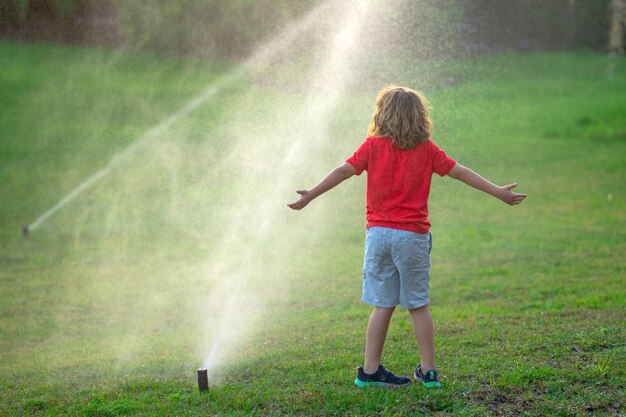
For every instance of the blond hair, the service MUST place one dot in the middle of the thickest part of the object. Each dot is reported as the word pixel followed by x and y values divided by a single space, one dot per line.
pixel 402 114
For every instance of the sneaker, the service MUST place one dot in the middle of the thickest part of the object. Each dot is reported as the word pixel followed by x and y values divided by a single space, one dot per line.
pixel 430 380
pixel 381 378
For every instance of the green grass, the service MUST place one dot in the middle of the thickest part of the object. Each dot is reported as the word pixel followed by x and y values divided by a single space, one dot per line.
pixel 107 309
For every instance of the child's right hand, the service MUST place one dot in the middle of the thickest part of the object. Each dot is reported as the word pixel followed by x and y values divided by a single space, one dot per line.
pixel 509 197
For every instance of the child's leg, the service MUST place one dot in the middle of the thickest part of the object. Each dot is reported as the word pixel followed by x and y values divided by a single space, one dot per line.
pixel 425 335
pixel 375 339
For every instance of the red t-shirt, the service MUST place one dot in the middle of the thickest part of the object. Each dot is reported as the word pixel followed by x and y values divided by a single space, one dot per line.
pixel 398 181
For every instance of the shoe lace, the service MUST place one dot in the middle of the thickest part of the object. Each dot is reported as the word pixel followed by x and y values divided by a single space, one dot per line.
pixel 387 375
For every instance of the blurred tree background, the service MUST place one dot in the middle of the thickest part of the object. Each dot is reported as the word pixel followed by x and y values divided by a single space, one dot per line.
pixel 221 28
pixel 232 28
pixel 537 24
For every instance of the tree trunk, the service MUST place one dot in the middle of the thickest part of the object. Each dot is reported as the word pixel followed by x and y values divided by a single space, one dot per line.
pixel 616 33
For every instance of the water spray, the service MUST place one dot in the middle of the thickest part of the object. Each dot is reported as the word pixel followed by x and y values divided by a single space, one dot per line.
pixel 263 57
pixel 203 380
pixel 318 112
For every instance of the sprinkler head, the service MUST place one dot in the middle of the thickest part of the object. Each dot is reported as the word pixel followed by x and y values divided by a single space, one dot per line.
pixel 203 380
pixel 25 230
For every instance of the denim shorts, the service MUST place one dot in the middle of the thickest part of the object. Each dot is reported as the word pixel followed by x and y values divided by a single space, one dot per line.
pixel 396 269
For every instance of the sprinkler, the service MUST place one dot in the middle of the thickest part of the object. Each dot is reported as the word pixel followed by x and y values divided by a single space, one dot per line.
pixel 25 230
pixel 203 380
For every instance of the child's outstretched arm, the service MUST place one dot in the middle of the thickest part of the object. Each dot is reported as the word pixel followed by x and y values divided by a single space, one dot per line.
pixel 334 178
pixel 472 179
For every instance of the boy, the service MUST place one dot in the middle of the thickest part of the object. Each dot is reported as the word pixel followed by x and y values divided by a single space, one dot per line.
pixel 400 158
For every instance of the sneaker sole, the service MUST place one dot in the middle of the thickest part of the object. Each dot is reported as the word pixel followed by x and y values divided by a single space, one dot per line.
pixel 433 384
pixel 365 384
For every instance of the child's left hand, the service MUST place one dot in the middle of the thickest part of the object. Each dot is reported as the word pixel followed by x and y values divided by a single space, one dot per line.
pixel 304 200
pixel 336 176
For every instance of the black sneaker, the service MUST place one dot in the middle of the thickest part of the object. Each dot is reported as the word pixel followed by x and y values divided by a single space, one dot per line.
pixel 430 380
pixel 381 378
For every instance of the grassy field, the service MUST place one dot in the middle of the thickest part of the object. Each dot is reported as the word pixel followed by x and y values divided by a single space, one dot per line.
pixel 109 307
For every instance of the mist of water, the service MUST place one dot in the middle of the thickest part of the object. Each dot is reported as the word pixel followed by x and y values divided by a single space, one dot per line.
pixel 331 76
pixel 257 61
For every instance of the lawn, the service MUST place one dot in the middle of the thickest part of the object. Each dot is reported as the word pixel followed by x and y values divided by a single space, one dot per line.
pixel 110 306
